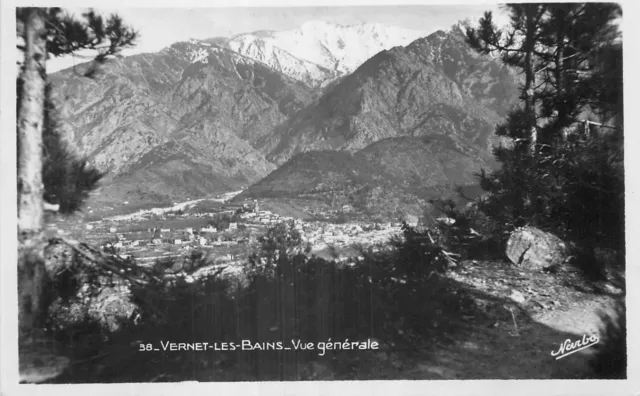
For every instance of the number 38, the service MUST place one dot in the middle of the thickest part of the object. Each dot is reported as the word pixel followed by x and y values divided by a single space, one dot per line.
pixel 146 347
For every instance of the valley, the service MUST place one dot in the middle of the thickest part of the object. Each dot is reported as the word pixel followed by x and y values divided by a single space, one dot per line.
pixel 345 131
pixel 175 233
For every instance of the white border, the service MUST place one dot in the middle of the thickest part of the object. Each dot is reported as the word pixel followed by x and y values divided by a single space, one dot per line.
pixel 8 243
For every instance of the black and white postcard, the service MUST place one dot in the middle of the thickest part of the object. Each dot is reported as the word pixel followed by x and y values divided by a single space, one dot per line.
pixel 312 198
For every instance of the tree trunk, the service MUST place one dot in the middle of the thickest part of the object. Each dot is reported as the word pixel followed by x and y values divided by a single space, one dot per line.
pixel 529 100
pixel 31 270
pixel 40 359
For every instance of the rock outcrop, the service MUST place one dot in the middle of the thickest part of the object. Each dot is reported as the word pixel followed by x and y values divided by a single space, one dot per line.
pixel 536 249
pixel 81 294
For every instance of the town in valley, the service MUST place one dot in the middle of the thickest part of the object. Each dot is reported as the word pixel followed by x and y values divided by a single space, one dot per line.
pixel 227 232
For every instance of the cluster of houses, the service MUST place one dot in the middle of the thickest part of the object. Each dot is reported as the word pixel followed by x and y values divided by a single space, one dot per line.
pixel 329 233
pixel 264 217
pixel 205 236
pixel 348 233
pixel 314 233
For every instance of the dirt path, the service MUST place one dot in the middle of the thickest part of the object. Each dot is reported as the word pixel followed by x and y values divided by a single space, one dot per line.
pixel 556 307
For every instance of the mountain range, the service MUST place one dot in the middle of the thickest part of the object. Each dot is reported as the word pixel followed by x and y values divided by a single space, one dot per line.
pixel 265 108
pixel 435 85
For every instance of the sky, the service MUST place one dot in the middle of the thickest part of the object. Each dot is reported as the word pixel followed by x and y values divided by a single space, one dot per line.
pixel 161 27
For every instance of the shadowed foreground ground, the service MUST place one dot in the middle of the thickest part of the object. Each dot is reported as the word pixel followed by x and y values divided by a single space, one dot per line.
pixel 493 338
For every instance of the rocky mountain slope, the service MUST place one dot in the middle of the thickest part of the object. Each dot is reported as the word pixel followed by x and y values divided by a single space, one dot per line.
pixel 317 52
pixel 199 118
pixel 389 177
pixel 178 123
pixel 435 85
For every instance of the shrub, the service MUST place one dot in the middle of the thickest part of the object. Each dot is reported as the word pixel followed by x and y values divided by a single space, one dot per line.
pixel 418 256
pixel 276 246
pixel 469 232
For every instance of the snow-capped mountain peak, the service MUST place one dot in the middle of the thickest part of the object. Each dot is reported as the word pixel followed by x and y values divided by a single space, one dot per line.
pixel 195 51
pixel 320 51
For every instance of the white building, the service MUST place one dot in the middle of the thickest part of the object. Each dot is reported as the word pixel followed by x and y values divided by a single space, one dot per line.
pixel 89 227
pixel 203 241
pixel 113 230
pixel 233 226
pixel 446 220
pixel 178 241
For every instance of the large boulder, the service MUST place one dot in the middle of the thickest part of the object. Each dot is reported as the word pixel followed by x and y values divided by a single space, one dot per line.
pixel 81 292
pixel 536 249
pixel 110 307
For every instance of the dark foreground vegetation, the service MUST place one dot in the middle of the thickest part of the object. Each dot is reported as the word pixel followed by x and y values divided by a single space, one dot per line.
pixel 289 297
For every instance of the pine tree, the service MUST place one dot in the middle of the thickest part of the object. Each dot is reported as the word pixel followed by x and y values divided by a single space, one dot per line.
pixel 517 48
pixel 44 32
pixel 576 37
pixel 550 176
